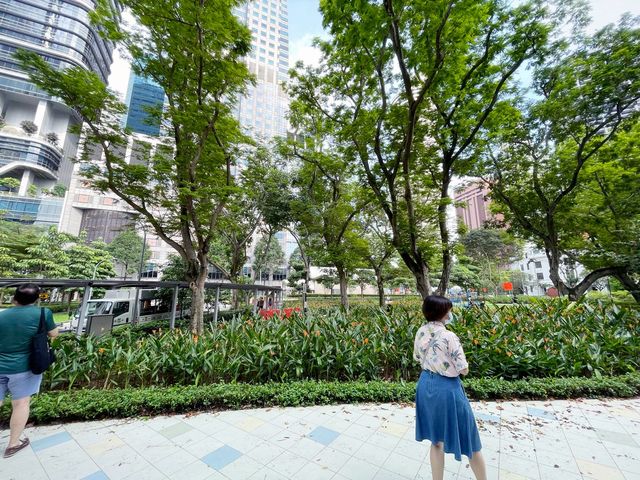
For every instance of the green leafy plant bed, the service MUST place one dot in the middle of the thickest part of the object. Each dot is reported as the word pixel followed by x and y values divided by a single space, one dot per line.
pixel 561 339
pixel 94 404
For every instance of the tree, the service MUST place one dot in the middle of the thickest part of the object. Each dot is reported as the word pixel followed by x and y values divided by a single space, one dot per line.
pixel 268 255
pixel 89 260
pixel 328 279
pixel 490 248
pixel 10 183
pixel 297 270
pixel 465 273
pixel 379 248
pixel 126 250
pixel 363 278
pixel 409 87
pixel 327 203
pixel 602 229
pixel 47 258
pixel 195 52
pixel 19 237
pixel 29 127
pixel 536 160
pixel 8 262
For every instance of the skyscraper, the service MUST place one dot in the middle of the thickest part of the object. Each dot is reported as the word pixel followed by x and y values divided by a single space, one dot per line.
pixel 263 111
pixel 143 94
pixel 35 143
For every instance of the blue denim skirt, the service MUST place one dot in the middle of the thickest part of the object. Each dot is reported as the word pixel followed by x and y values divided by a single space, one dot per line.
pixel 443 414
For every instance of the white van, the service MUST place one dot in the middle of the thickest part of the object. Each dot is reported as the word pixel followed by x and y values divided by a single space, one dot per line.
pixel 119 303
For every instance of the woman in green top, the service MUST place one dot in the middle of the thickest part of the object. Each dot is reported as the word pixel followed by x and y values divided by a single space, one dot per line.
pixel 18 325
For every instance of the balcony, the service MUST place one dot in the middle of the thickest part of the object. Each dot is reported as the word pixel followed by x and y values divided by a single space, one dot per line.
pixel 20 151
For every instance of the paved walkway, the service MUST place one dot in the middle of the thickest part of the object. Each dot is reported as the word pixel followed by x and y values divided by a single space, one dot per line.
pixel 559 440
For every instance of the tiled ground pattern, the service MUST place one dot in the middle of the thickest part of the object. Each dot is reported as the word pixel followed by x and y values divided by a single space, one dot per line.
pixel 559 440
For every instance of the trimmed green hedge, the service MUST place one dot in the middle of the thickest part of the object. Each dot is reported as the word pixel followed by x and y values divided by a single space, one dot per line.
pixel 95 404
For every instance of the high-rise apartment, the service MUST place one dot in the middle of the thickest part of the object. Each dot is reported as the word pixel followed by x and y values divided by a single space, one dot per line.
pixel 36 146
pixel 142 95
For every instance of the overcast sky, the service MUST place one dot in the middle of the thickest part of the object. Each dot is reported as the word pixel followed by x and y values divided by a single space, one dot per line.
pixel 305 23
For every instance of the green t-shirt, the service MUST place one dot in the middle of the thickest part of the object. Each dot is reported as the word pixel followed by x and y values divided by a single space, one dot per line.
pixel 18 325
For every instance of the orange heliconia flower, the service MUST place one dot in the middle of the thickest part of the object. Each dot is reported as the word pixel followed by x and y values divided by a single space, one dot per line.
pixel 509 354
pixel 366 340
pixel 195 339
pixel 305 333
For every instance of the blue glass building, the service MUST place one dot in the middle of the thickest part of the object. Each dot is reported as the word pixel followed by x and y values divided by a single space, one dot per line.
pixel 143 95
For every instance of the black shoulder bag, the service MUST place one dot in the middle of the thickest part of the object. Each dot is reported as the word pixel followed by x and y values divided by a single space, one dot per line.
pixel 42 355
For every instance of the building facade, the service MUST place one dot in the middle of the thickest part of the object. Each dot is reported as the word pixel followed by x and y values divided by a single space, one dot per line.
pixel 472 207
pixel 264 109
pixel 143 95
pixel 36 145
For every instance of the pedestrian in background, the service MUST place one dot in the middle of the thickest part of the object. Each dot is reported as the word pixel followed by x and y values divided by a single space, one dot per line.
pixel 18 326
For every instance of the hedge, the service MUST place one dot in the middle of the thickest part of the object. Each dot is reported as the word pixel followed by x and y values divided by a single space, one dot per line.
pixel 64 406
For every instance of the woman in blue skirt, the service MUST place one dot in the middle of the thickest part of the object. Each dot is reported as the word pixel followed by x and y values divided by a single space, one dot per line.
pixel 443 412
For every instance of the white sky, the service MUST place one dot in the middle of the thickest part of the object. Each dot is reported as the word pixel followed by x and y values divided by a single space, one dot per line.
pixel 603 12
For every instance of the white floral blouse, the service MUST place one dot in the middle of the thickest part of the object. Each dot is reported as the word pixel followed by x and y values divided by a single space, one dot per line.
pixel 439 350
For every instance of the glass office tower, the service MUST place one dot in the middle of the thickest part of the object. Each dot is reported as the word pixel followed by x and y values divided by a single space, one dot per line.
pixel 35 143
pixel 142 95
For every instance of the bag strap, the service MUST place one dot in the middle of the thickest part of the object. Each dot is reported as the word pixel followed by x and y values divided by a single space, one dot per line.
pixel 42 328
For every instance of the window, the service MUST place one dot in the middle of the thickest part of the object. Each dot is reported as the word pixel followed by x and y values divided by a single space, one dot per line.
pixel 120 308
pixel 540 276
pixel 538 264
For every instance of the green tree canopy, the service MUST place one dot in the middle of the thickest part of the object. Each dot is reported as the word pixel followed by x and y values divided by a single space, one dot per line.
pixel 89 260
pixel 268 255
pixel 126 250
pixel 409 87
pixel 539 154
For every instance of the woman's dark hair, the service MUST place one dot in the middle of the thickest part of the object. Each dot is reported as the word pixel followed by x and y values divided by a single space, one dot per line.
pixel 27 293
pixel 435 307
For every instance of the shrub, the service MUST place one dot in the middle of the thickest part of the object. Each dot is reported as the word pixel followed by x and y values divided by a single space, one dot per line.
pixel 95 404
pixel 29 127
pixel 53 138
pixel 558 339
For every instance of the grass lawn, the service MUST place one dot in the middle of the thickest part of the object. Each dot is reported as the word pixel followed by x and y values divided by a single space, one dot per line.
pixel 60 317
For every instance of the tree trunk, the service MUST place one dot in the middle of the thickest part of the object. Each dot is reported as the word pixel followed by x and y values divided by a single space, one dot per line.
pixel 629 285
pixel 444 235
pixel 197 301
pixel 344 292
pixel 420 271
pixel 553 255
pixel 380 285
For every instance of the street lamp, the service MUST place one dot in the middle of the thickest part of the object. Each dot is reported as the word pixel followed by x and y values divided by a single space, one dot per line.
pixel 136 307
pixel 95 269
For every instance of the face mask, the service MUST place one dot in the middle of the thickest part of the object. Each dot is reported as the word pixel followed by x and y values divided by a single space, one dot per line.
pixel 449 319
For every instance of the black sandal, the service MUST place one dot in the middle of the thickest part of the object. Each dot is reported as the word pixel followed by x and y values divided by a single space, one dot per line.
pixel 11 451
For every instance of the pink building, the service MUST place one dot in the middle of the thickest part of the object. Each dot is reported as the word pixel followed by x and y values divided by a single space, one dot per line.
pixel 475 210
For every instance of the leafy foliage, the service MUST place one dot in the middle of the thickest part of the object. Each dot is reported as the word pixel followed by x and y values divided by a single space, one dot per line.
pixel 126 250
pixel 540 151
pixel 548 339
pixel 80 405
pixel 268 255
